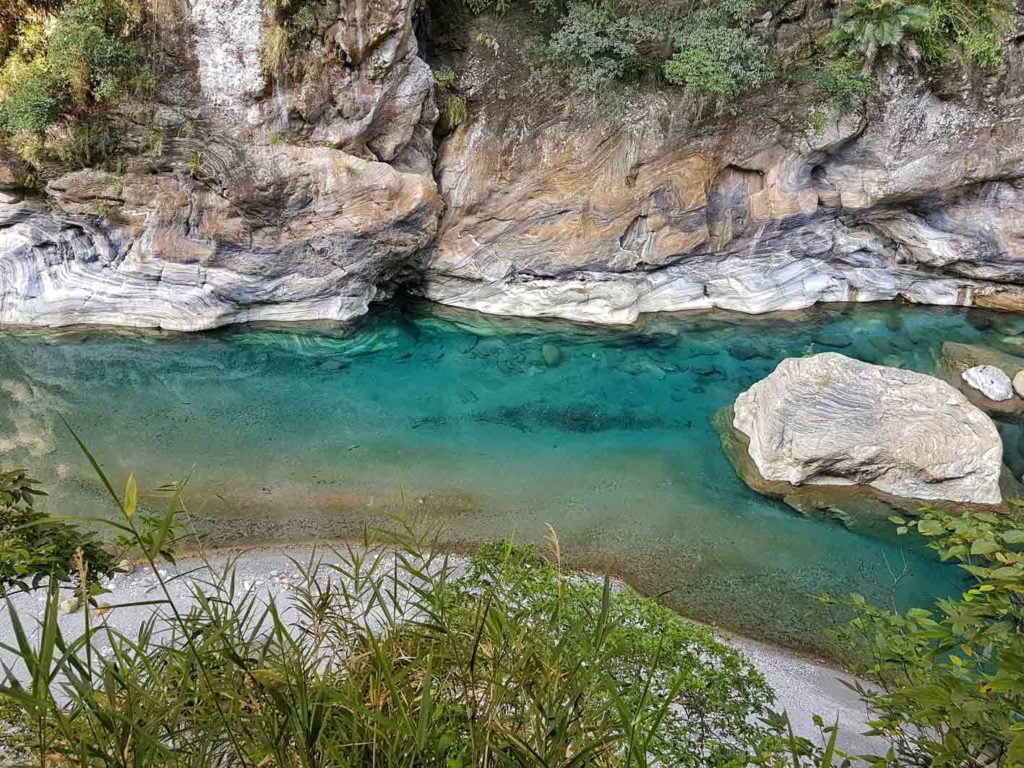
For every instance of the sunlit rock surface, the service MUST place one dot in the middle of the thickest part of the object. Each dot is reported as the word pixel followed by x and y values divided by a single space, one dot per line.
pixel 832 420
pixel 551 204
pixel 266 199
pixel 601 211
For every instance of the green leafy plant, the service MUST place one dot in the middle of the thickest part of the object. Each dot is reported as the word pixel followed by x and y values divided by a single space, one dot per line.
pixel 454 108
pixel 975 27
pixel 873 27
pixel 35 546
pixel 951 679
pixel 71 59
pixel 708 51
pixel 274 53
pixel 390 654
pixel 594 46
pixel 840 84
pixel 444 77
pixel 715 53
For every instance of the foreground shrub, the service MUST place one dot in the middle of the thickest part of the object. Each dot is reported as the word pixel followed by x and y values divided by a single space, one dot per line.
pixel 386 654
pixel 951 679
pixel 35 546
pixel 397 658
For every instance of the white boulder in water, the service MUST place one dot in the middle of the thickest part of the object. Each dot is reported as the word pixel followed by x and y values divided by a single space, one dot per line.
pixel 992 382
pixel 832 420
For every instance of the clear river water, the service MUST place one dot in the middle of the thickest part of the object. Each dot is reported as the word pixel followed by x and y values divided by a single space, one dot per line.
pixel 494 426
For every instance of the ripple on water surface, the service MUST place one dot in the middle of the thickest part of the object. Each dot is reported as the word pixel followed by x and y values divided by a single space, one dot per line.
pixel 498 426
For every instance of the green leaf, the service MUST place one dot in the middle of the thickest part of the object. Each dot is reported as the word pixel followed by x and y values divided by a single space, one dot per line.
pixel 131 497
pixel 985 546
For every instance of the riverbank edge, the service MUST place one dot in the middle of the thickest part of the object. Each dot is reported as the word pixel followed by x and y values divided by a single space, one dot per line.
pixel 805 685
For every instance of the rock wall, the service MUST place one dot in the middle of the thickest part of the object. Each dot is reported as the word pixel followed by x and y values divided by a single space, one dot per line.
pixel 601 212
pixel 239 215
pixel 311 234
pixel 275 196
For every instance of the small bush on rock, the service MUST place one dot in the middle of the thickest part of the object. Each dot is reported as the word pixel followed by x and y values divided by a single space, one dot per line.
pixel 71 59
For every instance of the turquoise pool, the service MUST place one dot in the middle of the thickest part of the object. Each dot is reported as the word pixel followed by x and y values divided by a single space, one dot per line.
pixel 495 426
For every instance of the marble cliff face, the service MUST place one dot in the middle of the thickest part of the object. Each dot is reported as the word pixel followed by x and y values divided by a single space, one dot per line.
pixel 269 201
pixel 310 199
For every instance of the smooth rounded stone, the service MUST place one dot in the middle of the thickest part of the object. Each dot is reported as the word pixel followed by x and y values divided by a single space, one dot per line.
pixel 902 343
pixel 706 368
pixel 891 361
pixel 831 420
pixel 1018 383
pixel 1014 343
pixel 742 349
pixel 957 358
pixel 990 381
pixel 862 350
pixel 981 321
pixel 552 354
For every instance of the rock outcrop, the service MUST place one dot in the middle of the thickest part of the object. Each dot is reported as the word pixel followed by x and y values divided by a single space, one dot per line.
pixel 832 420
pixel 252 191
pixel 601 212
pixel 263 200
pixel 306 234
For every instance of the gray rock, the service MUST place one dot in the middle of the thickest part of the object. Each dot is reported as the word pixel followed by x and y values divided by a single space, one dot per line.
pixel 990 381
pixel 831 420
pixel 175 254
pixel 272 197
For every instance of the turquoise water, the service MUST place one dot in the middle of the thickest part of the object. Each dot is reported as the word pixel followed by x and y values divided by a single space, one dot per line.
pixel 295 433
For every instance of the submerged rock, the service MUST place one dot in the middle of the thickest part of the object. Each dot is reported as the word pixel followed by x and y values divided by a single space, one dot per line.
pixel 957 358
pixel 831 338
pixel 832 420
pixel 990 381
pixel 552 355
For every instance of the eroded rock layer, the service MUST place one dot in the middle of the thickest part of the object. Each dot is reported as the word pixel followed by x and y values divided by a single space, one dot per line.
pixel 314 234
pixel 251 192
pixel 832 420
pixel 600 212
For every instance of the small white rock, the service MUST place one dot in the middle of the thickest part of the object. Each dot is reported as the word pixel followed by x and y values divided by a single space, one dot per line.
pixel 990 381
